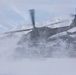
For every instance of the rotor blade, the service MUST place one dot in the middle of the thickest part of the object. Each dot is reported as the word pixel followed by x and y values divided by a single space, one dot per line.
pixel 32 14
pixel 57 22
pixel 17 31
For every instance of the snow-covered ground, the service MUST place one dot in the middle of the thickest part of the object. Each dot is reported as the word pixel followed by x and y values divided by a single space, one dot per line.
pixel 38 67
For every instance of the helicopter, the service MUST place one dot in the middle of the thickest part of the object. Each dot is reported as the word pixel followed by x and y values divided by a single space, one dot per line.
pixel 37 34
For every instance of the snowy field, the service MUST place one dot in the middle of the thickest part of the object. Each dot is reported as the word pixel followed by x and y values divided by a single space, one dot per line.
pixel 9 65
pixel 38 67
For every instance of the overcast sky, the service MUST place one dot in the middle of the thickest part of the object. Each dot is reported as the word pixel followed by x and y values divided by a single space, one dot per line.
pixel 15 12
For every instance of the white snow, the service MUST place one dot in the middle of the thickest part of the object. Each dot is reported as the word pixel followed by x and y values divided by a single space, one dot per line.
pixel 38 67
